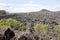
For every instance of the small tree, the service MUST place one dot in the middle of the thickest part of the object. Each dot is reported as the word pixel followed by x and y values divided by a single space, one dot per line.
pixel 2 12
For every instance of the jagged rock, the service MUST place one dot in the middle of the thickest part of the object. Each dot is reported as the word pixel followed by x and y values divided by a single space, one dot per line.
pixel 28 37
pixel 8 34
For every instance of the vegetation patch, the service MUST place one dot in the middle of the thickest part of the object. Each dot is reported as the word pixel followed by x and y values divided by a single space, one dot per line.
pixel 41 29
pixel 12 23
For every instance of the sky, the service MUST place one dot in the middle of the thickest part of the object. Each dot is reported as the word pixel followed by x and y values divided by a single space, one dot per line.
pixel 29 5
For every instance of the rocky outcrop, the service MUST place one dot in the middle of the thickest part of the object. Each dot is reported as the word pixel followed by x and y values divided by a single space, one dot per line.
pixel 11 35
pixel 8 34
pixel 28 37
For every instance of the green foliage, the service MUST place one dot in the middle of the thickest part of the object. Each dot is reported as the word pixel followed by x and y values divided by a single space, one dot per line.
pixel 58 30
pixel 22 28
pixel 13 23
pixel 3 23
pixel 41 28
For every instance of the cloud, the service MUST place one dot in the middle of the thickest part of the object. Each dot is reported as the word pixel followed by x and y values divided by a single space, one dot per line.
pixel 28 7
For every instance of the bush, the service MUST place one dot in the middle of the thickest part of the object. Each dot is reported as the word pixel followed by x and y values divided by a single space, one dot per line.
pixel 58 30
pixel 41 29
pixel 3 23
pixel 10 22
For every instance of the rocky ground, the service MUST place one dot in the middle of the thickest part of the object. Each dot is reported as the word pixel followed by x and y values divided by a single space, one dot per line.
pixel 29 19
pixel 9 34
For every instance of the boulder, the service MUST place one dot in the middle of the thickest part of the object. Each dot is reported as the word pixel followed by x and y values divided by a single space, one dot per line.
pixel 8 34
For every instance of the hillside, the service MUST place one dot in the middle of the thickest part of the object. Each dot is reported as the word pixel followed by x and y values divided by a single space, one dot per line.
pixel 40 16
pixel 44 24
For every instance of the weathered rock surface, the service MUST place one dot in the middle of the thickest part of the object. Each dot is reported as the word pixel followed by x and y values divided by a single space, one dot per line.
pixel 11 35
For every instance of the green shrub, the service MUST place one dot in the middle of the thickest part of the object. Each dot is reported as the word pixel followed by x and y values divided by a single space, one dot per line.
pixel 58 30
pixel 3 23
pixel 10 22
pixel 22 28
pixel 41 28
